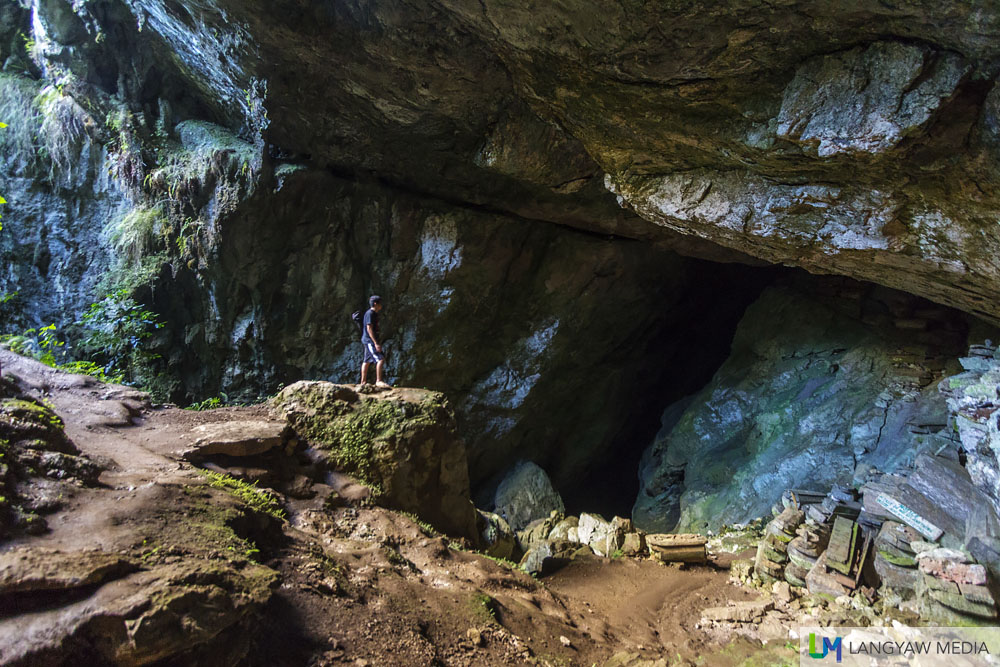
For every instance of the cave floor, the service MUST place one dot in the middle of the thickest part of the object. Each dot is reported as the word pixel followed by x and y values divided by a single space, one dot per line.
pixel 355 584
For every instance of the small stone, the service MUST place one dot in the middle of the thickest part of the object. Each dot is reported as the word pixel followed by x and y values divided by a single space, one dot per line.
pixel 741 570
pixel 474 636
pixel 782 591
pixel 634 544
pixel 940 553
pixel 565 641
pixel 563 529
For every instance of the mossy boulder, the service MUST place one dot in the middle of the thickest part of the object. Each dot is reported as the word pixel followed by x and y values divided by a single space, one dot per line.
pixel 26 420
pixel 403 444
pixel 34 450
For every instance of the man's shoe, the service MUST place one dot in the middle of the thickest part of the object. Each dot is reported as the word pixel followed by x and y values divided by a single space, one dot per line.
pixel 383 385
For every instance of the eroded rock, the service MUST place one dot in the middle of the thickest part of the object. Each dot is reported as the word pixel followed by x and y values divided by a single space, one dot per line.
pixel 30 570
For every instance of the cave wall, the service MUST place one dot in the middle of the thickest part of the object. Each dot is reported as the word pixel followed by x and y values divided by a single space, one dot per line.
pixel 525 326
pixel 59 198
pixel 511 179
pixel 825 377
pixel 254 261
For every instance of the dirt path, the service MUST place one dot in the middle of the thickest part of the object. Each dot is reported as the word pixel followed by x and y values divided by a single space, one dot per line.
pixel 354 585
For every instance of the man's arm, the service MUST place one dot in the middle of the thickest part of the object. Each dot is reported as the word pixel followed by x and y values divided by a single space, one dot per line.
pixel 371 336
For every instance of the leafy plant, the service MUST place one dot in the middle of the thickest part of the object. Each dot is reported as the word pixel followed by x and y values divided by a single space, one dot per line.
pixel 259 499
pixel 45 346
pixel 208 404
pixel 134 235
pixel 116 330
pixel 42 344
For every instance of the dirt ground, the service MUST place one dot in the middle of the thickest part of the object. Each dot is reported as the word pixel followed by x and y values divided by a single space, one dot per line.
pixel 362 585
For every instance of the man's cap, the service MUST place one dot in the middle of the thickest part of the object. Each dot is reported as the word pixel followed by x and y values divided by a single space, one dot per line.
pixel 373 299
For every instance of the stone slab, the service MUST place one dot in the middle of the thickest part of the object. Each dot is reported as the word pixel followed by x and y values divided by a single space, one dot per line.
pixel 238 438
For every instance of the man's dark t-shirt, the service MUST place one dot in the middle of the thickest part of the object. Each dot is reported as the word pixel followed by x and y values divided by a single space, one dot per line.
pixel 371 317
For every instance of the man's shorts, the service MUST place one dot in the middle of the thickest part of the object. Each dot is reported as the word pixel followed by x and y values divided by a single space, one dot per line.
pixel 372 355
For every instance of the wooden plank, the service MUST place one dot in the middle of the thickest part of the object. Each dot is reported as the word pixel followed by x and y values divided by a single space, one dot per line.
pixel 694 554
pixel 842 542
pixel 862 559
pixel 910 517
pixel 670 540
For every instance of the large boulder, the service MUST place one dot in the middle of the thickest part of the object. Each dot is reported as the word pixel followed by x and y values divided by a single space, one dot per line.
pixel 403 444
pixel 526 494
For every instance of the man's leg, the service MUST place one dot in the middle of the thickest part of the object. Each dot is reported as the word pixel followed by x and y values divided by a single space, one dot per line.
pixel 378 370
pixel 364 372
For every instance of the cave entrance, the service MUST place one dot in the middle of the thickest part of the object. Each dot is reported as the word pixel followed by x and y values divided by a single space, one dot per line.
pixel 687 345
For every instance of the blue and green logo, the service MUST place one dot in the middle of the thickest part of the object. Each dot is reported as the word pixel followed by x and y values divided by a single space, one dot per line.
pixel 827 647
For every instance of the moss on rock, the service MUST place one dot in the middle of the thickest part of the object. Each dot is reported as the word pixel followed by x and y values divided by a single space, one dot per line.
pixel 403 444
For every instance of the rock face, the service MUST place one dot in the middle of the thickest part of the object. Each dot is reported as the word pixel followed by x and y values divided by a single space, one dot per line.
pixel 811 390
pixel 252 171
pixel 971 397
pixel 173 581
pixel 402 443
pixel 526 494
pixel 255 264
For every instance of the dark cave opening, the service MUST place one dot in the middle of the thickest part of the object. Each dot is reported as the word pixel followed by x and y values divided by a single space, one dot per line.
pixel 912 336
pixel 679 362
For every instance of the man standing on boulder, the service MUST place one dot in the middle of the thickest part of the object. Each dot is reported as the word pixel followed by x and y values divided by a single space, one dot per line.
pixel 370 337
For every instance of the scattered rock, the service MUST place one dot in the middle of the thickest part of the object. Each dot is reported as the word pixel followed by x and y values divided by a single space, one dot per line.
pixel 634 544
pixel 566 530
pixel 537 531
pixel 782 591
pixel 952 570
pixel 546 557
pixel 739 612
pixel 741 570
